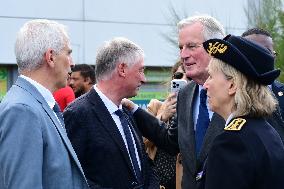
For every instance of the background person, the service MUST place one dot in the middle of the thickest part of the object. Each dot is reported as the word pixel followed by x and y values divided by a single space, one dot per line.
pixel 82 79
pixel 64 96
pixel 103 133
pixel 249 153
pixel 35 151
pixel 263 38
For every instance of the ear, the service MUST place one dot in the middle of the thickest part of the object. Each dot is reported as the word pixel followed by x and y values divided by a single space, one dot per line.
pixel 232 87
pixel 121 69
pixel 49 57
pixel 88 80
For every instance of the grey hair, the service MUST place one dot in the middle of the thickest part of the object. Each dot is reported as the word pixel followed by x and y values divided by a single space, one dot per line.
pixel 251 98
pixel 212 27
pixel 34 39
pixel 117 50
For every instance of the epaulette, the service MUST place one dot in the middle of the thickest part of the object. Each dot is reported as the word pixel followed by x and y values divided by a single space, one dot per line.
pixel 235 125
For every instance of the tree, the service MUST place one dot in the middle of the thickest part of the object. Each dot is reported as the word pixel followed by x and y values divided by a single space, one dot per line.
pixel 268 15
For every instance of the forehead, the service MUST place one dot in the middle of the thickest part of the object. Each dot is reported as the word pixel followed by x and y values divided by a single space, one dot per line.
pixel 262 40
pixel 76 74
pixel 192 33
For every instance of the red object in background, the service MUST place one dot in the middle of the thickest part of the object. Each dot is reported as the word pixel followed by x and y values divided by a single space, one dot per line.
pixel 64 96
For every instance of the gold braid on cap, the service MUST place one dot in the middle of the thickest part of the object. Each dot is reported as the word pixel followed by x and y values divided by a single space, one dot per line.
pixel 216 47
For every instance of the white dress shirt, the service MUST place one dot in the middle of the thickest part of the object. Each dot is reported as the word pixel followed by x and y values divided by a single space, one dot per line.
pixel 111 107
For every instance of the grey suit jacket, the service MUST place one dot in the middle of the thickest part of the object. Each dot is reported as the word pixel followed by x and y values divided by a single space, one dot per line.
pixel 35 152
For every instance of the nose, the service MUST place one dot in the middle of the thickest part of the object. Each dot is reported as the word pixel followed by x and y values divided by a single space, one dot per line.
pixel 205 85
pixel 143 78
pixel 71 63
pixel 184 53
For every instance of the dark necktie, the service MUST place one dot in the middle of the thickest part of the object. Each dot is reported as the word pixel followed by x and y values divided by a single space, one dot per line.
pixel 202 121
pixel 130 143
pixel 59 115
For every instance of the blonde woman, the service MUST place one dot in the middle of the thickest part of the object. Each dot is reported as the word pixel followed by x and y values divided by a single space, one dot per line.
pixel 249 154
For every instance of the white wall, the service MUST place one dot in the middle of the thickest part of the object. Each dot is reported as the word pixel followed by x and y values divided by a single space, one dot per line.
pixel 91 22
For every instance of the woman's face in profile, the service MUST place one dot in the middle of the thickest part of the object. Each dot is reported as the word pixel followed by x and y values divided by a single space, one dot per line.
pixel 218 92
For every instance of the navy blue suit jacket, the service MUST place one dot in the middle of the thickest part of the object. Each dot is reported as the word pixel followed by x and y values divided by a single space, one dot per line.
pixel 251 158
pixel 100 147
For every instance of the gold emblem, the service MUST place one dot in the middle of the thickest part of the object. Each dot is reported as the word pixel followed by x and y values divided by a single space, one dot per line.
pixel 216 47
pixel 235 125
pixel 280 93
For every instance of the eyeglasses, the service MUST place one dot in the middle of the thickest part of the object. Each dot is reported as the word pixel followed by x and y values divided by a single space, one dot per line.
pixel 190 46
pixel 178 75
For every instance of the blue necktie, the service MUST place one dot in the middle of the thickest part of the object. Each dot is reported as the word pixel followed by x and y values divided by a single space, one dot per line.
pixel 202 121
pixel 130 143
pixel 59 115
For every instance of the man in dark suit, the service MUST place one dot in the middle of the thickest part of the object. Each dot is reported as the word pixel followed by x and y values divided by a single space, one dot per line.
pixel 35 151
pixel 195 131
pixel 264 38
pixel 104 134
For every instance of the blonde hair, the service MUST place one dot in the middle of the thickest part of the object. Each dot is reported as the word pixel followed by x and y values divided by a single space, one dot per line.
pixel 251 98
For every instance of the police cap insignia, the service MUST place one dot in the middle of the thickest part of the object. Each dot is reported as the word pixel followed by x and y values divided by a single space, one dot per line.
pixel 217 47
pixel 235 125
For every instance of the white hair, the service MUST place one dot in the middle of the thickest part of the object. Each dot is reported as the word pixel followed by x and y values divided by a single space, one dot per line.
pixel 117 50
pixel 212 27
pixel 33 40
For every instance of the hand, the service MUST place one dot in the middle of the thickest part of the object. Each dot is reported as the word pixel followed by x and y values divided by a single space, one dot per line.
pixel 168 108
pixel 128 104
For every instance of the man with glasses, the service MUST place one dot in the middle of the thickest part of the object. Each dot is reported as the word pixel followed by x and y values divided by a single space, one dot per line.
pixel 264 38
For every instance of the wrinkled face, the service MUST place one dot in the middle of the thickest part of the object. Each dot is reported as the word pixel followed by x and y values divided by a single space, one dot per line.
pixel 218 92
pixel 78 83
pixel 62 66
pixel 194 58
pixel 134 78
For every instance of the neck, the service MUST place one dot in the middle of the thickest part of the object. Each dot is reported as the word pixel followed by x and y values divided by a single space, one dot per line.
pixel 111 90
pixel 42 78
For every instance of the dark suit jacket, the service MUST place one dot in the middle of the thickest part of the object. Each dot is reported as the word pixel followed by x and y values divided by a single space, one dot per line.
pixel 278 90
pixel 251 158
pixel 185 142
pixel 276 120
pixel 100 147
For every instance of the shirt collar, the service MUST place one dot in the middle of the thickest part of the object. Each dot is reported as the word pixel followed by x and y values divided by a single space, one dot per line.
pixel 47 95
pixel 111 107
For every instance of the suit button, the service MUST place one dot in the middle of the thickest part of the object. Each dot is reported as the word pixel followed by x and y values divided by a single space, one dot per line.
pixel 134 183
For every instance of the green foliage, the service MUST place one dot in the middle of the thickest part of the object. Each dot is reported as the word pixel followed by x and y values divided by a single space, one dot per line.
pixel 268 15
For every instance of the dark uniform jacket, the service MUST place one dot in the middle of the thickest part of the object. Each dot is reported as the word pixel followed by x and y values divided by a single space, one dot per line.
pixel 249 154
pixel 100 147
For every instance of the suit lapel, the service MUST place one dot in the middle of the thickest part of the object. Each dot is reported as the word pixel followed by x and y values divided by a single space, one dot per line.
pixel 34 92
pixel 108 124
pixel 136 137
pixel 186 130
pixel 216 126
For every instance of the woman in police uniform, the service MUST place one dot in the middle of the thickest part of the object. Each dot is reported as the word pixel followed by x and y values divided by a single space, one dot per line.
pixel 249 154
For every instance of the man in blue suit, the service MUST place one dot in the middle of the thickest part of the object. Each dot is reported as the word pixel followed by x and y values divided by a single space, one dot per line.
pixel 34 149
pixel 103 133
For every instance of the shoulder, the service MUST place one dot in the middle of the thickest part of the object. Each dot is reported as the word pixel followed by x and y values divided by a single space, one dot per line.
pixel 236 124
pixel 80 103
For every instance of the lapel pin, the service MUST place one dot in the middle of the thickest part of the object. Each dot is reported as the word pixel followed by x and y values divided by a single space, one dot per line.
pixel 280 93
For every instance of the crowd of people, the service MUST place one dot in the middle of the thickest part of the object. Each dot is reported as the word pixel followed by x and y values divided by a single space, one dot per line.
pixel 224 129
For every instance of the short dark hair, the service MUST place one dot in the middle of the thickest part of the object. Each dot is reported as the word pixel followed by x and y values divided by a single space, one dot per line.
pixel 86 71
pixel 256 31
